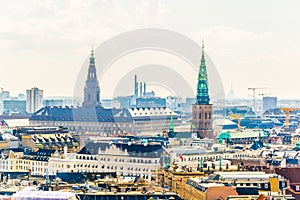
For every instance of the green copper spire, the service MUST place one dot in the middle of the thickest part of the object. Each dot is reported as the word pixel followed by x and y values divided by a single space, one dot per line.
pixel 202 86
pixel 92 59
pixel 171 124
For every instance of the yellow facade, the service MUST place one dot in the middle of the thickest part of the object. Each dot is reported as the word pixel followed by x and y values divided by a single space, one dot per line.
pixel 191 193
pixel 175 181
pixel 274 184
pixel 3 145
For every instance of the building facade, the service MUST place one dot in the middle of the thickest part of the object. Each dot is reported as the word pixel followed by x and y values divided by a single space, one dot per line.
pixel 135 160
pixel 34 100
pixel 269 103
pixel 92 117
pixel 14 106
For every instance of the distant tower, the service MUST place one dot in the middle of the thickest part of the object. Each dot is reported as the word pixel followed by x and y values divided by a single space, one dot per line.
pixel 231 95
pixel 202 109
pixel 141 89
pixel 34 100
pixel 135 87
pixel 91 89
pixel 145 93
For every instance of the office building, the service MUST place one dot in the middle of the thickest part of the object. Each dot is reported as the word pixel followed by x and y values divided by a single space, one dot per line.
pixel 34 100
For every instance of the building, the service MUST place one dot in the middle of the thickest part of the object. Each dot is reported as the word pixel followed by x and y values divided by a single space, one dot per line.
pixel 221 185
pixel 92 89
pixel 14 106
pixel 151 102
pixel 5 94
pixel 202 109
pixel 54 141
pixel 174 179
pixel 153 119
pixel 269 103
pixel 134 160
pixel 34 100
pixel 194 189
pixel 124 102
pixel 124 159
pixel 93 117
pixel 242 137
pixel 53 102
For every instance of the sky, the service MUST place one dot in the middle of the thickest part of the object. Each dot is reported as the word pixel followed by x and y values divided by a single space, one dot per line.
pixel 252 43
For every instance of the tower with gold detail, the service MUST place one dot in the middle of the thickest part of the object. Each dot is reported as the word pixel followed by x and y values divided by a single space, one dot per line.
pixel 202 109
pixel 91 89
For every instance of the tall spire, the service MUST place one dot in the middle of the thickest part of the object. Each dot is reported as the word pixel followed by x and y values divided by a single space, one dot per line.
pixel 91 89
pixel 92 59
pixel 202 48
pixel 202 86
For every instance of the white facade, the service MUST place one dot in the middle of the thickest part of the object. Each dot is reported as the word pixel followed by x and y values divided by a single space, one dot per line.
pixel 110 160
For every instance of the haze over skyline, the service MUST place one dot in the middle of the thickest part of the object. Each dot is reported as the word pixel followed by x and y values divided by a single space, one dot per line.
pixel 252 44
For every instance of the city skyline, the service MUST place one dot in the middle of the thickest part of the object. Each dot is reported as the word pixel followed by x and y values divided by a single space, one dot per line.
pixel 48 46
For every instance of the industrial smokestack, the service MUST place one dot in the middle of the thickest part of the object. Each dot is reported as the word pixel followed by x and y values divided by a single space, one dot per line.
pixel 135 86
pixel 141 89
pixel 145 90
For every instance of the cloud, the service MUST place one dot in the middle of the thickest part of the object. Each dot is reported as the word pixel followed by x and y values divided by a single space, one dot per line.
pixel 233 34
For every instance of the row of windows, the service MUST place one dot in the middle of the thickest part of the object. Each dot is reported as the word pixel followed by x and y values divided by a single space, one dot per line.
pixel 116 159
pixel 196 158
pixel 152 113
pixel 200 116
pixel 102 167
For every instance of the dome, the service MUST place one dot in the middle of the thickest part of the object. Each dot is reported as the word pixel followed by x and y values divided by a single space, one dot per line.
pixel 250 114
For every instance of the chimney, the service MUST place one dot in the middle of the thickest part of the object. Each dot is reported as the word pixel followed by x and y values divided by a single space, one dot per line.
pixel 145 93
pixel 141 89
pixel 135 86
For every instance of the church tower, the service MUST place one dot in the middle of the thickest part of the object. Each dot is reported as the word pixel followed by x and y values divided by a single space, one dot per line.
pixel 202 109
pixel 91 89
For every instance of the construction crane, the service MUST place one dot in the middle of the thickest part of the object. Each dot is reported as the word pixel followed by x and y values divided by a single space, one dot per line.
pixel 265 94
pixel 287 115
pixel 238 117
pixel 253 96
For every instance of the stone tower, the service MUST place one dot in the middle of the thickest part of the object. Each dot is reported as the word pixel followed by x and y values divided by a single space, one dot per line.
pixel 91 89
pixel 202 109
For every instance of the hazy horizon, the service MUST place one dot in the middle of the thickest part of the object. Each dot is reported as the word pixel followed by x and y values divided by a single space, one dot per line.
pixel 252 44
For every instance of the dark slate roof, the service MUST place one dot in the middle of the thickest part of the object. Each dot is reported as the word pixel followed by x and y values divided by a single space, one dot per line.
pixel 180 135
pixel 247 190
pixel 13 150
pixel 87 114
pixel 140 148
pixel 101 175
pixel 137 150
pixel 71 177
pixel 40 155
pixel 93 148
pixel 257 145
pixel 84 151
pixel 16 175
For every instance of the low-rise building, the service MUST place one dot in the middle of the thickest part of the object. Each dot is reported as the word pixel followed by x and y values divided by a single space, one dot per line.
pixel 194 189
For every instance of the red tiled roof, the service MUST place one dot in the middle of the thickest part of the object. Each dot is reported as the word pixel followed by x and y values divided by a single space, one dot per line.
pixel 220 192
